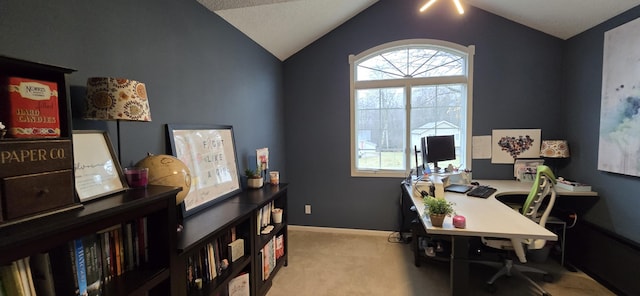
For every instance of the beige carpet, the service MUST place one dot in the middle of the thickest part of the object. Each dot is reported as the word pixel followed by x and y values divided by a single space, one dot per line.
pixel 335 262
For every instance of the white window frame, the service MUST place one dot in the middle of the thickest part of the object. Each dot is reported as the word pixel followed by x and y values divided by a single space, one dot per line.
pixel 407 83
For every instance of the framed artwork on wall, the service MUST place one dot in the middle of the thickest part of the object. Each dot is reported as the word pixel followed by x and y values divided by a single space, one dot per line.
pixel 509 145
pixel 97 171
pixel 619 120
pixel 209 152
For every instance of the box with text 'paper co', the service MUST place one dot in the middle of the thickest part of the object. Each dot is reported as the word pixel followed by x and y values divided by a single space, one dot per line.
pixel 29 108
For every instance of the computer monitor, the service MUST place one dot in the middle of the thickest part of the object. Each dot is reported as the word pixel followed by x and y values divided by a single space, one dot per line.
pixel 439 148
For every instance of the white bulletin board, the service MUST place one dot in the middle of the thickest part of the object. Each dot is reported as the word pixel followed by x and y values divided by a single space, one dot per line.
pixel 210 154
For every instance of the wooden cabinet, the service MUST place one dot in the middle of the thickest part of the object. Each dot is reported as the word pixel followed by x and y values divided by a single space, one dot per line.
pixel 239 213
pixel 36 174
pixel 155 203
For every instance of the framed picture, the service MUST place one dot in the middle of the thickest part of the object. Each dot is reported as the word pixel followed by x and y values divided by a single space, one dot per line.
pixel 96 171
pixel 210 153
pixel 509 145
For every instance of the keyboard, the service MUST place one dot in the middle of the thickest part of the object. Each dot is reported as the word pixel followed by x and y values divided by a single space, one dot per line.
pixel 481 191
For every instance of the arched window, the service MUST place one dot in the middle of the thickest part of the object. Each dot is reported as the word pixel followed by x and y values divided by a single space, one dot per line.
pixel 405 90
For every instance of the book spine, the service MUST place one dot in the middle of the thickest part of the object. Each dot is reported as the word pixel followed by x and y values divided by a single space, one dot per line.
pixel 22 270
pixel 117 249
pixel 11 277
pixel 81 269
pixel 93 264
pixel 128 247
pixel 27 266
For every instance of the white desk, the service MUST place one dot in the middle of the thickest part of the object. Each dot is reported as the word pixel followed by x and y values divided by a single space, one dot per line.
pixel 484 217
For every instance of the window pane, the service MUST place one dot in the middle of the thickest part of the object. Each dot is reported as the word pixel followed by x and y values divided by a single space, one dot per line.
pixel 410 62
pixel 380 122
pixel 439 110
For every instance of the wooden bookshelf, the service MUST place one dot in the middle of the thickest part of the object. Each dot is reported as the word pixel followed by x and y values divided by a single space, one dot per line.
pixel 156 203
pixel 210 225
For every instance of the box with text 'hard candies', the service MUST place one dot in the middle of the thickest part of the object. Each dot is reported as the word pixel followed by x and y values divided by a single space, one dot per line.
pixel 30 108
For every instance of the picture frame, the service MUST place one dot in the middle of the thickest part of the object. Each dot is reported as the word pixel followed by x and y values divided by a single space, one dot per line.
pixel 97 172
pixel 210 154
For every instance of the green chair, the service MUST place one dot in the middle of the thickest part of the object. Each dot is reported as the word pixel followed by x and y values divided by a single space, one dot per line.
pixel 542 189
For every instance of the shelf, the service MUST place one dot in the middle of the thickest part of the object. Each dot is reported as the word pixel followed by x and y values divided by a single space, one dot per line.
pixel 211 224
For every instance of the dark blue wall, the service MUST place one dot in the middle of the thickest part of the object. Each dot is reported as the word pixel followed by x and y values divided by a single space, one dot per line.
pixel 517 84
pixel 197 68
pixel 619 202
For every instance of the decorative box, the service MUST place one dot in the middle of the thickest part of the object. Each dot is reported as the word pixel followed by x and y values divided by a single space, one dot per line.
pixel 31 108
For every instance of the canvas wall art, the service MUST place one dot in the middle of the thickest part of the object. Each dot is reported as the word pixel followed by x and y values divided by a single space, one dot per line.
pixel 619 144
pixel 508 145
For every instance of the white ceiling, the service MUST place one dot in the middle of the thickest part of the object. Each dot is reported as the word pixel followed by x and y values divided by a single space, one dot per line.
pixel 284 27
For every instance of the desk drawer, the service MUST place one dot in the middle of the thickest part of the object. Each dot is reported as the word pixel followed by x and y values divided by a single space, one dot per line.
pixel 30 194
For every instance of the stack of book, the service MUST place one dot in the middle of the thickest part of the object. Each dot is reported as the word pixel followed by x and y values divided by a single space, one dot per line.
pixel 572 185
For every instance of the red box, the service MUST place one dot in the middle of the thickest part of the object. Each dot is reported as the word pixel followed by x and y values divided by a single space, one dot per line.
pixel 31 108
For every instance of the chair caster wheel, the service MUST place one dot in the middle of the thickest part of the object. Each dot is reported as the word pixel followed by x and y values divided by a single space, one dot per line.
pixel 547 278
pixel 491 288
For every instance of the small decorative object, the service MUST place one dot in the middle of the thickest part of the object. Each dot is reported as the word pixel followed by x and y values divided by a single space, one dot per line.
pixel 167 170
pixel 437 209
pixel 254 178
pixel 137 177
pixel 31 108
pixel 3 130
pixel 459 221
pixel 277 215
pixel 274 177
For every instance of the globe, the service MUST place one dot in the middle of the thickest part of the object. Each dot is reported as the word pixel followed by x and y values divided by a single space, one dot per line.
pixel 169 171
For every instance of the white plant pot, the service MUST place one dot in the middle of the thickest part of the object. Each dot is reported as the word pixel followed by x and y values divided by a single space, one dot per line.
pixel 254 182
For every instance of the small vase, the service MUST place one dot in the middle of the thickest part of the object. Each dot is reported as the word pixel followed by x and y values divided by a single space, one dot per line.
pixel 254 182
pixel 437 219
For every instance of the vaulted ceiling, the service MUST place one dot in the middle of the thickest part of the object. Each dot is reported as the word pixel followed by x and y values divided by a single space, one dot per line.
pixel 284 27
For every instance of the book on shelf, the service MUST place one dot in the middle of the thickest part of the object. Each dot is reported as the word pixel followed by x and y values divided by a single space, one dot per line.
pixel 11 279
pixel 25 276
pixel 80 265
pixel 279 246
pixel 239 285
pixel 93 264
pixel 30 107
pixel 236 249
pixel 62 260
pixel 42 274
pixel 268 259
pixel 213 270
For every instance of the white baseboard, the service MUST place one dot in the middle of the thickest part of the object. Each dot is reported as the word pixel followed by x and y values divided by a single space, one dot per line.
pixel 338 230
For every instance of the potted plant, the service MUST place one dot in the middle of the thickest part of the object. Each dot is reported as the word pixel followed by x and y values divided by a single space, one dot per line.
pixel 254 178
pixel 437 209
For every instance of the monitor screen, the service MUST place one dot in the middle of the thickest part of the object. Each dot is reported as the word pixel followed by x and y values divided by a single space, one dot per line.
pixel 440 148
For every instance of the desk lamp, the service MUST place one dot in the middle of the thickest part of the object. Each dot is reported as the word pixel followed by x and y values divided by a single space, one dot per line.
pixel 554 151
pixel 116 99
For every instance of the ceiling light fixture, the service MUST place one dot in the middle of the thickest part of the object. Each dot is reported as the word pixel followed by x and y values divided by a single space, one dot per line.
pixel 430 2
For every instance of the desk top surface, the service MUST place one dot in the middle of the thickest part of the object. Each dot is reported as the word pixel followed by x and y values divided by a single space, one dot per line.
pixel 489 217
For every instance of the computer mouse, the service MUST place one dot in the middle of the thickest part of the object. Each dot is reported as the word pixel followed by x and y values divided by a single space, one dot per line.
pixel 475 183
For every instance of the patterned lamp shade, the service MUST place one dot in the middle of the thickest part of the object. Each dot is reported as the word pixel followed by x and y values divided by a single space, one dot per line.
pixel 554 149
pixel 116 99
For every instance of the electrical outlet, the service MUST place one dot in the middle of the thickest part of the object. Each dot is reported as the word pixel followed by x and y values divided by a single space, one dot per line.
pixel 307 209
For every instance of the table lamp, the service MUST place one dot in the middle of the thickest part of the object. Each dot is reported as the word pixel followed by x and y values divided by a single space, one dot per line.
pixel 554 150
pixel 116 99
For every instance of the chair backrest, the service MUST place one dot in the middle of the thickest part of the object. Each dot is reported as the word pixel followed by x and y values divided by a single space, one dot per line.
pixel 543 186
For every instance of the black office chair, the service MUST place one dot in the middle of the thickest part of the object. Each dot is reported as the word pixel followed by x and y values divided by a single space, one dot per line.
pixel 543 188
